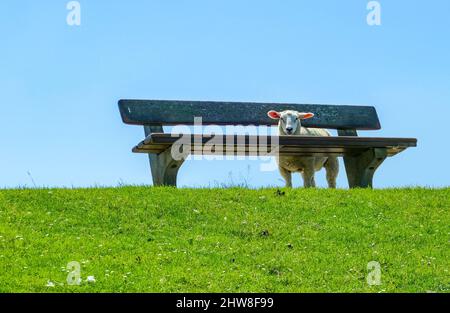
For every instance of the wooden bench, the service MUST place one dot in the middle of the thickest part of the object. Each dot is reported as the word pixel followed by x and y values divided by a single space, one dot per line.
pixel 362 155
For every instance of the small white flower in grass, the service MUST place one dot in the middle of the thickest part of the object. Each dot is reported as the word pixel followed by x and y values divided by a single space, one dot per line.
pixel 50 284
pixel 90 279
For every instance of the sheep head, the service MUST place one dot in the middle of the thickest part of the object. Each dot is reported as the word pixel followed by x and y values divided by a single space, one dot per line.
pixel 289 121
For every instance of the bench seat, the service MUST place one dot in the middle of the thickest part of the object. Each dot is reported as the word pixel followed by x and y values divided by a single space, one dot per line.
pixel 288 145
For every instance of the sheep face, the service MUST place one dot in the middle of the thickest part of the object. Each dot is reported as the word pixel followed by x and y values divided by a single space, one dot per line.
pixel 289 121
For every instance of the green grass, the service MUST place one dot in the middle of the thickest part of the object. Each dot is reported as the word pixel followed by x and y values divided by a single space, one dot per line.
pixel 142 239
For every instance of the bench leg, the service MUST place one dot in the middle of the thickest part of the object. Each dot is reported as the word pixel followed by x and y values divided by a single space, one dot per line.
pixel 361 168
pixel 163 167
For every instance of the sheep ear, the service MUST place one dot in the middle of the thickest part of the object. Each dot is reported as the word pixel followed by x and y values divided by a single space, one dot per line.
pixel 274 114
pixel 304 116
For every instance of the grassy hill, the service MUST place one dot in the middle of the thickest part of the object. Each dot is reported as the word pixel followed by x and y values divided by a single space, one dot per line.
pixel 142 239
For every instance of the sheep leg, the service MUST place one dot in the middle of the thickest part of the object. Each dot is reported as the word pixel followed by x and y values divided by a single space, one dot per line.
pixel 287 176
pixel 308 177
pixel 332 169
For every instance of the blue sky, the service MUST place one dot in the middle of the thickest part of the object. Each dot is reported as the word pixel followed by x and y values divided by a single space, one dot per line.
pixel 59 85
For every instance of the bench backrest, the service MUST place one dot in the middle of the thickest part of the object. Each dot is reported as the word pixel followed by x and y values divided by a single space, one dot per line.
pixel 168 112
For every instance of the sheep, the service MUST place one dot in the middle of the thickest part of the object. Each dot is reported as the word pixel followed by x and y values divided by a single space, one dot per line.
pixel 289 123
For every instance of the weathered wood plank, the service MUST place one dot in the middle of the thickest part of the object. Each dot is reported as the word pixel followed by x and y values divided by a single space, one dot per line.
pixel 347 141
pixel 282 151
pixel 288 145
pixel 167 112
